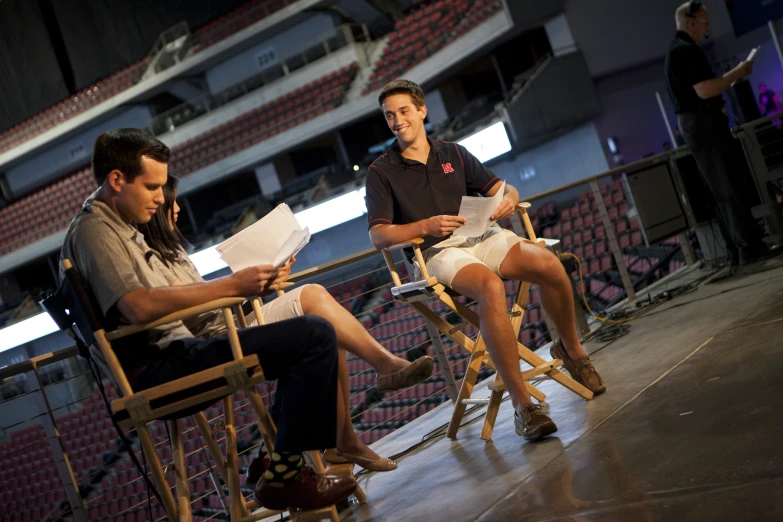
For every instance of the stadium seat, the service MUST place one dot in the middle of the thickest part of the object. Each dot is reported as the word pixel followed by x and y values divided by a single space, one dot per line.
pixel 450 19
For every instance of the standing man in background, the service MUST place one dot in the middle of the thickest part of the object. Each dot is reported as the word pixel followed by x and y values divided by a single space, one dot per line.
pixel 696 94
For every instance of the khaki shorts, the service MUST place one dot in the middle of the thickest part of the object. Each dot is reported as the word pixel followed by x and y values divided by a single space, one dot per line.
pixel 448 257
pixel 286 306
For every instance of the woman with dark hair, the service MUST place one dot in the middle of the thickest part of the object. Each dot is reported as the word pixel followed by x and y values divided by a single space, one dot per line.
pixel 159 234
pixel 394 373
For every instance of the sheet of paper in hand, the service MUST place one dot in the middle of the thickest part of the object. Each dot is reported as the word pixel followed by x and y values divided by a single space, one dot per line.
pixel 478 210
pixel 272 240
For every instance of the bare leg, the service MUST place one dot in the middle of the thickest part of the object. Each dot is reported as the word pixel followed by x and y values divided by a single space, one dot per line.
pixel 541 267
pixel 351 335
pixel 347 441
pixel 478 282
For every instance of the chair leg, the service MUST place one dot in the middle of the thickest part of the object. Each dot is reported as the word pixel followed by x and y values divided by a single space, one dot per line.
pixel 520 302
pixel 232 462
pixel 148 447
pixel 180 472
pixel 214 451
pixel 493 407
pixel 212 445
pixel 465 391
pixel 443 361
pixel 265 423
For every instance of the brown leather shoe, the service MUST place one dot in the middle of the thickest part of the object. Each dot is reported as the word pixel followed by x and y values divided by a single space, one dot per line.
pixel 581 370
pixel 416 372
pixel 533 423
pixel 309 490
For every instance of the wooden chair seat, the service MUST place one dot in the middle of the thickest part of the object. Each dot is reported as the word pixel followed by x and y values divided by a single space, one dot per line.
pixel 188 395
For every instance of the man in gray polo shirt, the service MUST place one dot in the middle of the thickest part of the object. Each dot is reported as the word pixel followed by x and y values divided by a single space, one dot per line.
pixel 132 285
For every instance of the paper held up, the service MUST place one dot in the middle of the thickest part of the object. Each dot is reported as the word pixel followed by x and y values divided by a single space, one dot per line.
pixel 477 211
pixel 272 240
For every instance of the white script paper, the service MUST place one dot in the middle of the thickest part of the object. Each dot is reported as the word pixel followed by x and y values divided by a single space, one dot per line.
pixel 478 210
pixel 272 240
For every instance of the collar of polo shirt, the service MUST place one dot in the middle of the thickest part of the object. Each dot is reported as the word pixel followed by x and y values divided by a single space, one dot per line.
pixel 395 155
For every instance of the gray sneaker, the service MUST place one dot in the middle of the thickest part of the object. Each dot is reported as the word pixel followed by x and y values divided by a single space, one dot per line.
pixel 532 423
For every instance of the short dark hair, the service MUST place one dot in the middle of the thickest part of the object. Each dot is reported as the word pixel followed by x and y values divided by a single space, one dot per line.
pixel 403 87
pixel 122 150
pixel 157 233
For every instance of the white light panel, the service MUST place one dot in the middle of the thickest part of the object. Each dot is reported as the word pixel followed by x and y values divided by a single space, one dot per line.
pixel 488 143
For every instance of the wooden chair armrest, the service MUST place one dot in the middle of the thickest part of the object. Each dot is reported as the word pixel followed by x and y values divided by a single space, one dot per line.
pixel 285 285
pixel 413 243
pixel 522 207
pixel 217 304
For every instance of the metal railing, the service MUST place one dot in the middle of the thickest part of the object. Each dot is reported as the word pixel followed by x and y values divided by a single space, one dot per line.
pixel 762 142
pixel 173 43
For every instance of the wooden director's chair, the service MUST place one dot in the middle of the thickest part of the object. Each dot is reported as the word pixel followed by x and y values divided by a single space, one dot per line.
pixel 419 293
pixel 180 398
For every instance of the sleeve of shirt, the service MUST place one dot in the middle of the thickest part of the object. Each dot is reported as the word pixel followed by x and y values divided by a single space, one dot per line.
pixel 379 198
pixel 102 259
pixel 478 178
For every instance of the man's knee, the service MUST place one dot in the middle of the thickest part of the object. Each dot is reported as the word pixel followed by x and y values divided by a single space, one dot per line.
pixel 492 288
pixel 549 268
pixel 320 332
pixel 313 294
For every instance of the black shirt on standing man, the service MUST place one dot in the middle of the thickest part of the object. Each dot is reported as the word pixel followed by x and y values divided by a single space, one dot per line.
pixel 686 65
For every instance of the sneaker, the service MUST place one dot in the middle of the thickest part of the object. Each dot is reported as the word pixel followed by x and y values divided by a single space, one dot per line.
pixel 532 423
pixel 309 490
pixel 581 370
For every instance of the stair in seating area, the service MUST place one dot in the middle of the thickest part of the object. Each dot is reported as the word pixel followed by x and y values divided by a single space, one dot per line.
pixel 373 52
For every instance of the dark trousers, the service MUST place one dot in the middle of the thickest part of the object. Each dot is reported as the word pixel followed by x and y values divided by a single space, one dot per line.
pixel 723 167
pixel 301 353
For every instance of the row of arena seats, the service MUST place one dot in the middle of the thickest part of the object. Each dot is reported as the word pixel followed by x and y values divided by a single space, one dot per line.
pixel 50 209
pixel 73 106
pixel 211 33
pixel 243 16
pixel 45 211
pixel 425 31
pixel 272 118
pixel 34 488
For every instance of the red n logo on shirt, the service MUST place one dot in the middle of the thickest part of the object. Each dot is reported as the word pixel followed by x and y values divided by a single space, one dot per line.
pixel 447 168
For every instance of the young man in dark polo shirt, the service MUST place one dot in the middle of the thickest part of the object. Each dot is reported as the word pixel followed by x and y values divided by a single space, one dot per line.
pixel 415 190
pixel 132 285
pixel 698 102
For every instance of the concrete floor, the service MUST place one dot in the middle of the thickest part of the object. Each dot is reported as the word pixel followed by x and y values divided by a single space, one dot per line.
pixel 688 430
